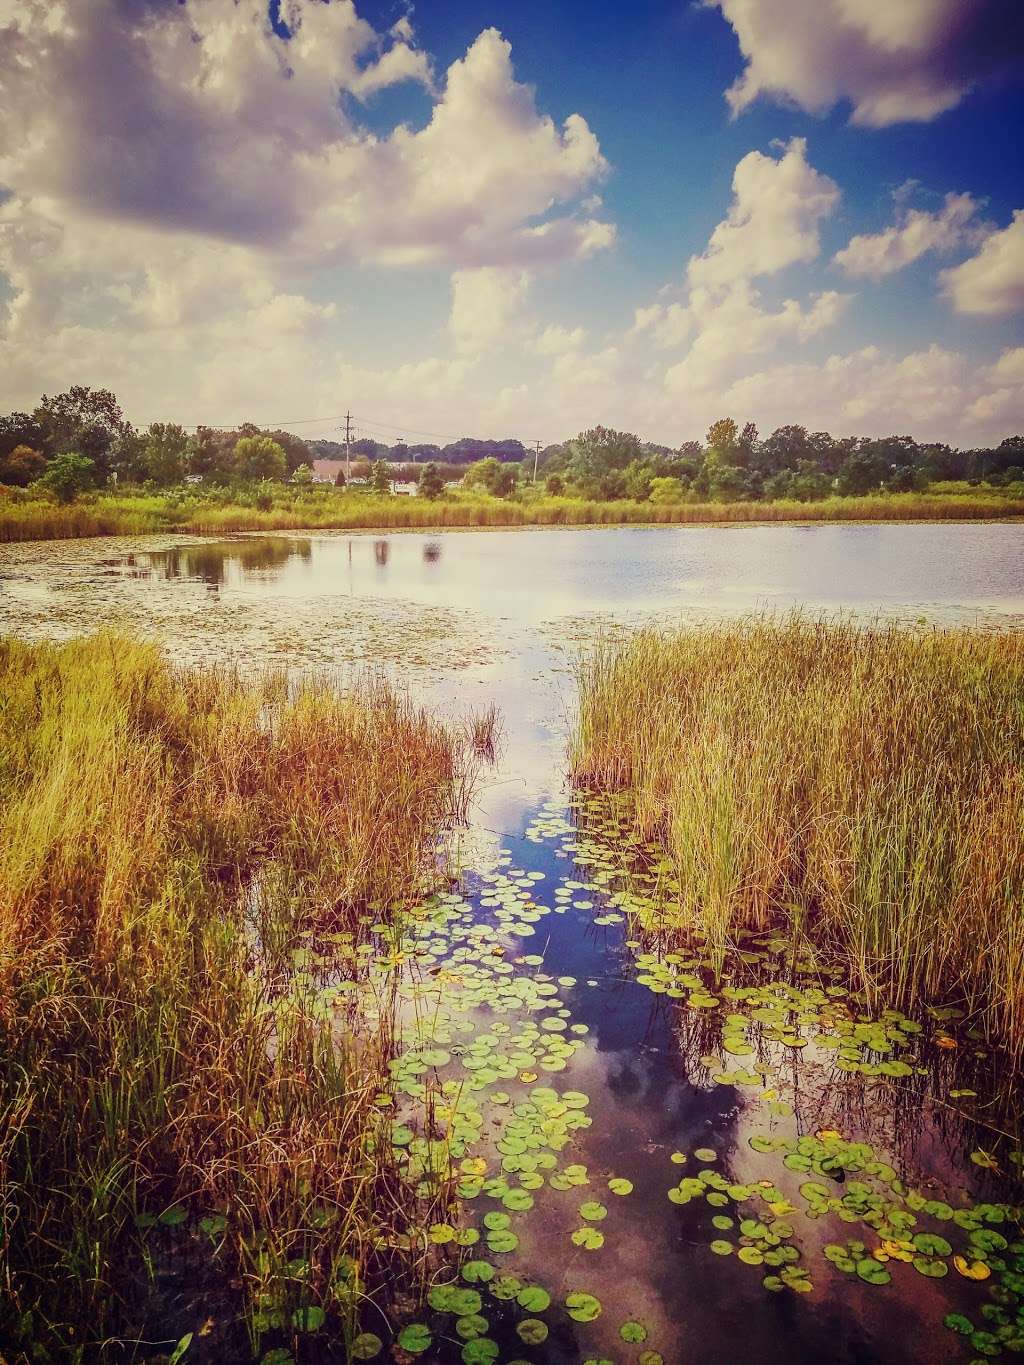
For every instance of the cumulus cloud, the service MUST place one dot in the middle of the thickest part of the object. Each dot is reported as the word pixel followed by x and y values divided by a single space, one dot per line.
pixel 778 204
pixel 201 118
pixel 772 223
pixel 992 282
pixel 894 60
pixel 873 256
pixel 486 304
pixel 935 393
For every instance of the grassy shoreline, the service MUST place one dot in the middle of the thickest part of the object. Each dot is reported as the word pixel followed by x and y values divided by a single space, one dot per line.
pixel 860 784
pixel 193 872
pixel 108 515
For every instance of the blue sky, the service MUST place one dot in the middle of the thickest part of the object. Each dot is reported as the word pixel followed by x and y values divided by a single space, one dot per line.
pixel 244 224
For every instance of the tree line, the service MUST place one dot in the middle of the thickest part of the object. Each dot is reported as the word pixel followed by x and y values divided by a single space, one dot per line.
pixel 81 439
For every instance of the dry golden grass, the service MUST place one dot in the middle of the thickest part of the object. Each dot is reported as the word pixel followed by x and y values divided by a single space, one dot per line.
pixel 172 847
pixel 867 779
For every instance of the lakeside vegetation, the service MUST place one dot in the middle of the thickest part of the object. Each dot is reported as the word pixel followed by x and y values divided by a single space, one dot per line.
pixel 76 467
pixel 24 518
pixel 861 785
pixel 176 850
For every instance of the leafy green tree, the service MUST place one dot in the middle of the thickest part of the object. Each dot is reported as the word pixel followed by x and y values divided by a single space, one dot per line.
pixel 303 475
pixel 806 483
pixel 83 420
pixel 431 481
pixel 69 474
pixel 666 489
pixel 380 477
pixel 906 479
pixel 19 429
pixel 492 476
pixel 637 479
pixel 554 485
pixel 259 457
pixel 21 466
pixel 862 473
pixel 597 459
pixel 723 438
pixel 725 481
pixel 165 455
pixel 211 455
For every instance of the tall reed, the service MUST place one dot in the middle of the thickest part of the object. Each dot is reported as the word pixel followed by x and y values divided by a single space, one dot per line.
pixel 129 515
pixel 866 778
pixel 189 864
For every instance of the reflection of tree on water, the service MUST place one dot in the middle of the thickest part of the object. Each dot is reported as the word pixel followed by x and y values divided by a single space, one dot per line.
pixel 432 552
pixel 382 551
pixel 212 564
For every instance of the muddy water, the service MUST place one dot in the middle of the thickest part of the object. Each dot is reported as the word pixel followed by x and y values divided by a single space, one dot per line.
pixel 471 618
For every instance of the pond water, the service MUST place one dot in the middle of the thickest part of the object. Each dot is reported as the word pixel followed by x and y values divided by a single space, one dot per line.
pixel 666 1088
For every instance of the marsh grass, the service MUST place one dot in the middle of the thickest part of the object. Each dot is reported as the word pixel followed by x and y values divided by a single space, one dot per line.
pixel 187 861
pixel 864 782
pixel 23 518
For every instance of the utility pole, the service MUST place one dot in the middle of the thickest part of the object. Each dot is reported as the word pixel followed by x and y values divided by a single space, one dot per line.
pixel 536 457
pixel 348 446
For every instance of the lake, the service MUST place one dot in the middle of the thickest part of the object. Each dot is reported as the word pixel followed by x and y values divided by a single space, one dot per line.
pixel 469 618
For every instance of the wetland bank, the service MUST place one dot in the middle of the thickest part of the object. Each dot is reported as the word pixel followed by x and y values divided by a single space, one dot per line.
pixel 443 1072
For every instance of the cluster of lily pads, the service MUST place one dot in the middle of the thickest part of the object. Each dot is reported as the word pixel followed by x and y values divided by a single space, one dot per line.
pixel 480 1122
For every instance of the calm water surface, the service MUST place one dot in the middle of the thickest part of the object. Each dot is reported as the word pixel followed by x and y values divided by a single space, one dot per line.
pixel 530 596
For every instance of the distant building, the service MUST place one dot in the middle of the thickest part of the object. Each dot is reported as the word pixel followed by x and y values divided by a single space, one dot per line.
pixel 326 471
pixel 404 488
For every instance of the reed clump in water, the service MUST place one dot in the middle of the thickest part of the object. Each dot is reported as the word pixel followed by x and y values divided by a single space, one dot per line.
pixel 866 779
pixel 173 848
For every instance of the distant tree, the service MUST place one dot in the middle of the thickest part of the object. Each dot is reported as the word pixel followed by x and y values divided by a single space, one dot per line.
pixel 492 476
pixel 296 450
pixel 258 457
pixel 21 467
pixel 84 421
pixel 666 489
pixel 303 476
pixel 723 480
pixel 380 477
pixel 862 472
pixel 637 478
pixel 19 429
pixel 806 483
pixel 165 453
pixel 211 455
pixel 431 481
pixel 339 479
pixel 554 485
pixel 906 479
pixel 745 451
pixel 599 452
pixel 723 437
pixel 67 475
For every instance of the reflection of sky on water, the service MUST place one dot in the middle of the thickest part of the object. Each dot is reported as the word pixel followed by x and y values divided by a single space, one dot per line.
pixel 532 575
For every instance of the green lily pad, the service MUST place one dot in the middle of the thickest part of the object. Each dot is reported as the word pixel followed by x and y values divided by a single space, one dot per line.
pixel 366 1346
pixel 532 1331
pixel 582 1307
pixel 633 1331
pixel 415 1338
pixel 533 1298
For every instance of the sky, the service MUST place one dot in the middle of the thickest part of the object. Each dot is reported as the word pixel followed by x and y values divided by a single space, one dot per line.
pixel 518 219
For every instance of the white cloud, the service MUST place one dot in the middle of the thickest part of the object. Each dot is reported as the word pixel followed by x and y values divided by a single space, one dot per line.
pixel 992 282
pixel 772 224
pixel 875 255
pixel 731 326
pixel 486 304
pixel 200 119
pixel 934 394
pixel 893 60
pixel 773 220
pixel 558 340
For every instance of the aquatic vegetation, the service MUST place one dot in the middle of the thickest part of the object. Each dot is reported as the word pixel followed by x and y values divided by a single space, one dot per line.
pixel 193 871
pixel 858 784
